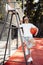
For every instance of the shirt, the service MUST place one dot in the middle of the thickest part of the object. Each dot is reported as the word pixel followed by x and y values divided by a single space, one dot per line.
pixel 26 28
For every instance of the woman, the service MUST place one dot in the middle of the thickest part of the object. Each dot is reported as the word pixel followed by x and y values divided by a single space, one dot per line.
pixel 28 36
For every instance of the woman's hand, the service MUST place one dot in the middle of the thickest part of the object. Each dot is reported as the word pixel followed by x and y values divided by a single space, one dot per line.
pixel 36 32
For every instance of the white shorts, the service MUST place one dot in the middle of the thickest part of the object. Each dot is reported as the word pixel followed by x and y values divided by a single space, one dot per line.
pixel 28 42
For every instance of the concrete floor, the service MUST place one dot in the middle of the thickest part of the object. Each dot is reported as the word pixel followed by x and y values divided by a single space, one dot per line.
pixel 10 49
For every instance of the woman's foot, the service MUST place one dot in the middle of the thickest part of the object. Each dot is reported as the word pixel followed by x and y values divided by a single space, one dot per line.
pixel 30 59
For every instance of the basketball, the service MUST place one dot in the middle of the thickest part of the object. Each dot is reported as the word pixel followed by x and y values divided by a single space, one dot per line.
pixel 33 30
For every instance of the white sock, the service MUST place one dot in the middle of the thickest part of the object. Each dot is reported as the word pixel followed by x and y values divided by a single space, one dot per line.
pixel 27 51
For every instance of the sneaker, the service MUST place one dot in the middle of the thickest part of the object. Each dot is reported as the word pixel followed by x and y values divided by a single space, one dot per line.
pixel 30 59
pixel 27 51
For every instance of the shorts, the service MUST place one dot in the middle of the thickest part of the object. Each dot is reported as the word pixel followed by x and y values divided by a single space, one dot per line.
pixel 28 42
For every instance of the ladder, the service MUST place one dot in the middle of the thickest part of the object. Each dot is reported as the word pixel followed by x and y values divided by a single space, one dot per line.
pixel 14 12
pixel 17 16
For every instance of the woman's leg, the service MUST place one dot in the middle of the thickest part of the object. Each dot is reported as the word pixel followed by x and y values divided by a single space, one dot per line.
pixel 29 46
pixel 32 43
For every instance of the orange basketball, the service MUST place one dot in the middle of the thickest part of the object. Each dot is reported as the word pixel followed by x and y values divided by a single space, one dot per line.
pixel 33 30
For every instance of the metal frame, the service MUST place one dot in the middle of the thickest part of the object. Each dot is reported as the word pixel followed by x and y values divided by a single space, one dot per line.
pixel 16 14
pixel 13 13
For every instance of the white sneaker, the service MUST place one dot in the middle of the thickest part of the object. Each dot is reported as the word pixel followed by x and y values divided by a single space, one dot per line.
pixel 27 51
pixel 30 59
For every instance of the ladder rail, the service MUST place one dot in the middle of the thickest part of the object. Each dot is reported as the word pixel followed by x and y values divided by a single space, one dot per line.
pixel 21 41
pixel 7 39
